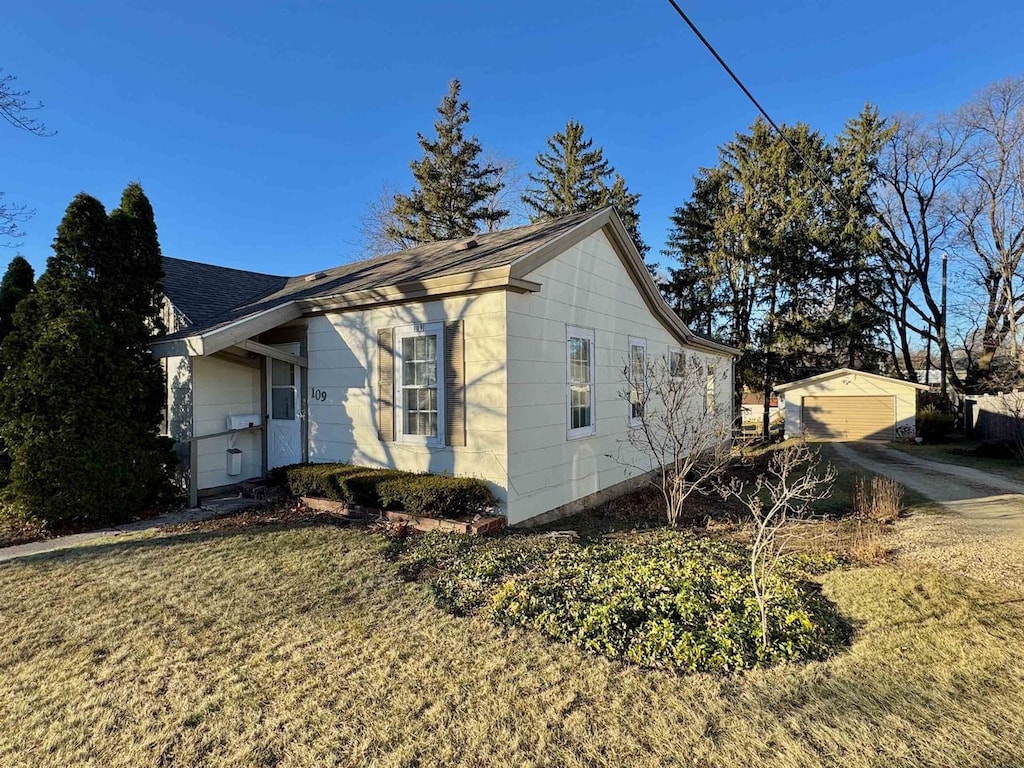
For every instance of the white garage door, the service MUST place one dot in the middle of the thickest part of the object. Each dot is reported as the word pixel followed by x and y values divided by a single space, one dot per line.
pixel 849 417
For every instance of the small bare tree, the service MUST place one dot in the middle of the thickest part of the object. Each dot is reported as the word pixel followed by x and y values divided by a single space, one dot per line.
pixel 678 435
pixel 16 109
pixel 794 480
pixel 377 223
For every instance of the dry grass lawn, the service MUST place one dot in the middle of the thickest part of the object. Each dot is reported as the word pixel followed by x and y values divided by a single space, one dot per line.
pixel 947 453
pixel 298 645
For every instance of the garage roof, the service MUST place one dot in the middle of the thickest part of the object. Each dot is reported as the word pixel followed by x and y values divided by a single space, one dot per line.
pixel 846 372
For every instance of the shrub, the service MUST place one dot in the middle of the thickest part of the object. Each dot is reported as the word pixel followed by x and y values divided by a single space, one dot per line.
pixel 18 529
pixel 881 501
pixel 670 600
pixel 933 424
pixel 437 495
pixel 341 482
pixel 424 495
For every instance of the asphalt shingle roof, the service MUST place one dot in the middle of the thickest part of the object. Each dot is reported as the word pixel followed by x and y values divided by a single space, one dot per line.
pixel 211 296
pixel 202 292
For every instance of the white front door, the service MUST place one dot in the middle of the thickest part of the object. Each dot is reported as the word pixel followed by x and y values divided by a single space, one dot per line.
pixel 284 419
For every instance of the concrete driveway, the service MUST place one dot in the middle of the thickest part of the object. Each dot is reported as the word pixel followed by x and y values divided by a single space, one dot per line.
pixel 983 537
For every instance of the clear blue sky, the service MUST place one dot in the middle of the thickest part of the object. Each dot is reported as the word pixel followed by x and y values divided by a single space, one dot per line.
pixel 260 130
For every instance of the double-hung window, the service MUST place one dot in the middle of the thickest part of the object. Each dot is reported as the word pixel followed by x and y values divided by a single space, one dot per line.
pixel 637 379
pixel 709 391
pixel 579 397
pixel 676 362
pixel 418 358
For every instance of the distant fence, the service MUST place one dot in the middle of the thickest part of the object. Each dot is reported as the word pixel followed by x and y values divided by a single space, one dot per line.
pixel 995 417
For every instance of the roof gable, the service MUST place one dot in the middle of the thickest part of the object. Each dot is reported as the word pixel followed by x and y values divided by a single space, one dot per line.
pixel 845 372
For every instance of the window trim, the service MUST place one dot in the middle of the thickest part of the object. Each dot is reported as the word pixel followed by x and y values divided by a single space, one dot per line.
pixel 575 332
pixel 415 331
pixel 635 341
pixel 672 351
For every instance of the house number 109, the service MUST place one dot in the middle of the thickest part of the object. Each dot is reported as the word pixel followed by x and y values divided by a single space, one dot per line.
pixel 319 394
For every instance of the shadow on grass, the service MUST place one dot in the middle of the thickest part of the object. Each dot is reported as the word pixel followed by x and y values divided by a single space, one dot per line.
pixel 170 537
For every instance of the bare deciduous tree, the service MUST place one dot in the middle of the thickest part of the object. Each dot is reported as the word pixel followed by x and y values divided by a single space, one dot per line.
pixel 679 435
pixel 16 110
pixel 794 480
pixel 916 207
pixel 991 211
pixel 377 225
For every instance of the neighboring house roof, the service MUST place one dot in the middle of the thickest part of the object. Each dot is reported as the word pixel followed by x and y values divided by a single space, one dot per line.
pixel 845 372
pixel 757 398
pixel 202 292
pixel 502 259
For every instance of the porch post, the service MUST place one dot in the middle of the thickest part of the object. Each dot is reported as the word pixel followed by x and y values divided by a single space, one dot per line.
pixel 193 473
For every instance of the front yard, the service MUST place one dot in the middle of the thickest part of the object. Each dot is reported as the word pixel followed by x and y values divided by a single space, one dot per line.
pixel 300 645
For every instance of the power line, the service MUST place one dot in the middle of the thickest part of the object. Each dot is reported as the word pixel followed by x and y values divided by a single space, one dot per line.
pixel 746 91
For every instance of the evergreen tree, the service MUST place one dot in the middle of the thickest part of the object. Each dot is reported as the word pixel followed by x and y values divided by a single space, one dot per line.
pixel 18 282
pixel 573 177
pixel 454 191
pixel 81 398
pixel 859 320
pixel 780 261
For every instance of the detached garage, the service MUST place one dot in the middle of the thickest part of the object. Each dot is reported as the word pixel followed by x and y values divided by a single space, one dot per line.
pixel 845 404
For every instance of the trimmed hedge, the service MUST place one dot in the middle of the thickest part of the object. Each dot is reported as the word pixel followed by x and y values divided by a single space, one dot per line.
pixel 437 495
pixel 672 601
pixel 423 495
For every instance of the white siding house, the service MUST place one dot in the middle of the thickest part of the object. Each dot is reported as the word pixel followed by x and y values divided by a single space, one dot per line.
pixel 499 357
pixel 586 287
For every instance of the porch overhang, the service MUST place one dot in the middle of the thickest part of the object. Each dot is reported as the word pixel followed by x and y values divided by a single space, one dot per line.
pixel 240 332
pixel 230 334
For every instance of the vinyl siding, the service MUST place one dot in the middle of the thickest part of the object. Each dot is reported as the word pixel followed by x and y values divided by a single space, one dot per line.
pixel 223 389
pixel 342 351
pixel 586 286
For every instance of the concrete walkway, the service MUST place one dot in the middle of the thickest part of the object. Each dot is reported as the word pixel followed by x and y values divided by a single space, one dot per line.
pixel 991 501
pixel 209 510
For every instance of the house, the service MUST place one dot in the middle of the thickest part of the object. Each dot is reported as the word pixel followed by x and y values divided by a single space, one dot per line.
pixel 845 404
pixel 752 405
pixel 752 414
pixel 499 356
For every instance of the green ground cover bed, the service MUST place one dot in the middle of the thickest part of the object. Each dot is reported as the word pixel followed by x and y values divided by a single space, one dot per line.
pixel 667 599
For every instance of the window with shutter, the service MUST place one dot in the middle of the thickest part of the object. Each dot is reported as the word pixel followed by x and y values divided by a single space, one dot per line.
pixel 419 410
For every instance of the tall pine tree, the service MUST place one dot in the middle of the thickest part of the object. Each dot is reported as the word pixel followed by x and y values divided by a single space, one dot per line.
pixel 453 190
pixel 777 251
pixel 573 177
pixel 81 398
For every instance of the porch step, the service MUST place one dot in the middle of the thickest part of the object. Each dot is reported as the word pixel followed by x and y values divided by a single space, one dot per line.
pixel 262 490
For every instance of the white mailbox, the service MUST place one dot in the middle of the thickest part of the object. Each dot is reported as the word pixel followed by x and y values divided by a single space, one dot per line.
pixel 243 421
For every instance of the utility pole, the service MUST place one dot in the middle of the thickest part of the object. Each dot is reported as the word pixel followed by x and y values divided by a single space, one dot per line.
pixel 943 345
